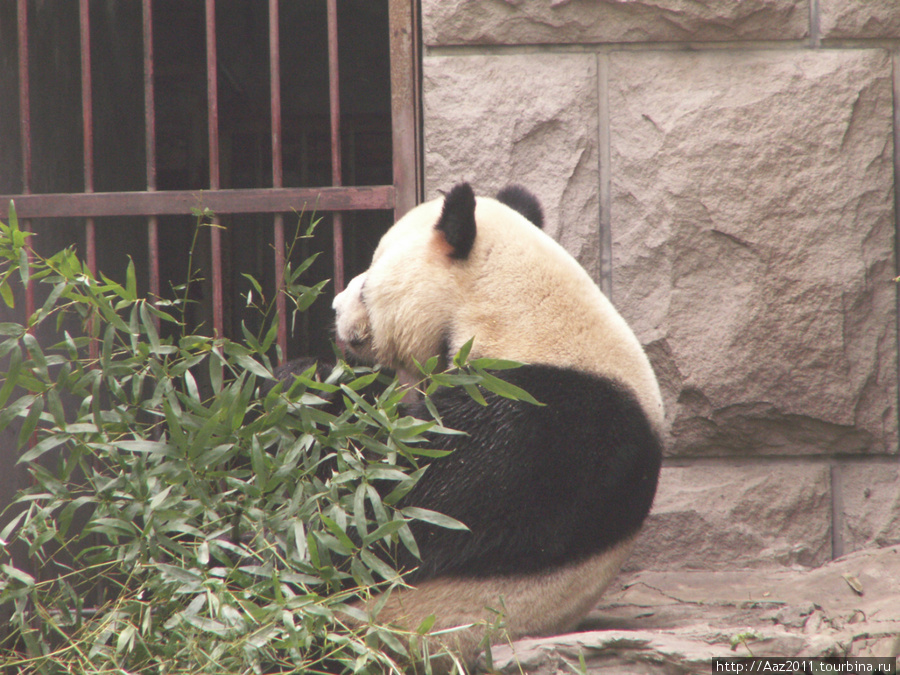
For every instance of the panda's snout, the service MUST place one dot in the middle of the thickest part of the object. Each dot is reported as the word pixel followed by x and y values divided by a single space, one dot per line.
pixel 353 291
pixel 338 301
pixel 351 318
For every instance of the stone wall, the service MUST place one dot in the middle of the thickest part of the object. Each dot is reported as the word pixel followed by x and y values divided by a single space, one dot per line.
pixel 725 170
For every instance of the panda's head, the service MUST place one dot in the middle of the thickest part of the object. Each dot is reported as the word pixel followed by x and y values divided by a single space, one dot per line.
pixel 405 307
pixel 458 268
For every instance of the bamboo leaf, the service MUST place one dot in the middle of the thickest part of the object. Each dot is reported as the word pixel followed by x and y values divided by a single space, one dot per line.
pixel 338 532
pixel 149 327
pixel 383 531
pixel 125 641
pixel 130 281
pixel 377 565
pixel 271 334
pixel 494 364
pixel 433 517
pixel 254 366
pixel 55 404
pixel 463 354
pixel 44 446
pixel 12 375
pixel 17 574
pixel 7 294
pixel 506 390
pixel 475 394
pixel 31 420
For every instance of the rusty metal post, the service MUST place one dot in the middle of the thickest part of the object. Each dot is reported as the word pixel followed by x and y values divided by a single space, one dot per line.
pixel 25 133
pixel 277 173
pixel 334 100
pixel 404 46
pixel 150 146
pixel 87 119
pixel 212 93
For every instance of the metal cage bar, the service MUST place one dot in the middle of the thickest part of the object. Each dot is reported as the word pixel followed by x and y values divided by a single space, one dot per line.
pixel 87 122
pixel 212 103
pixel 334 104
pixel 181 202
pixel 87 119
pixel 150 145
pixel 24 133
pixel 277 172
pixel 405 102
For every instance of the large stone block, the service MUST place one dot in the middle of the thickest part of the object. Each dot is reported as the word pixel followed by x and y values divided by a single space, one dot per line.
pixel 854 19
pixel 569 21
pixel 718 516
pixel 753 232
pixel 529 119
pixel 870 502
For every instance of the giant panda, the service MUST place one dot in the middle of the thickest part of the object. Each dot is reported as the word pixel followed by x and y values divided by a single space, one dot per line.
pixel 553 495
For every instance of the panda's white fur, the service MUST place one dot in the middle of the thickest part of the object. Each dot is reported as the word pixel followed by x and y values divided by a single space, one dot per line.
pixel 522 297
pixel 545 308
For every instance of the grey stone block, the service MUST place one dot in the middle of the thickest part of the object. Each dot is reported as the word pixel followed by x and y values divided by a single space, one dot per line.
pixel 753 234
pixel 570 21
pixel 717 516
pixel 524 118
pixel 870 502
pixel 854 19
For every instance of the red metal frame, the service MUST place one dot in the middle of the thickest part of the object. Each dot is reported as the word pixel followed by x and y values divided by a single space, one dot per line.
pixel 400 196
pixel 277 169
pixel 87 118
pixel 212 102
pixel 334 101
pixel 150 144
pixel 25 122
pixel 182 202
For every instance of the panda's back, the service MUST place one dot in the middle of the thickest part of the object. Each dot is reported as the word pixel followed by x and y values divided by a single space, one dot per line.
pixel 545 486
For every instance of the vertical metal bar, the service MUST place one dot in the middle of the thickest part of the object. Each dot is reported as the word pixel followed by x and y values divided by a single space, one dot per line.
pixel 87 117
pixel 277 172
pixel 334 101
pixel 25 132
pixel 275 89
pixel 404 95
pixel 212 93
pixel 150 144
pixel 24 95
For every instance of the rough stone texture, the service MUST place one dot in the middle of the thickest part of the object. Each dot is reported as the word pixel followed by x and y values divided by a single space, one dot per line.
pixel 566 21
pixel 753 232
pixel 530 119
pixel 854 19
pixel 870 501
pixel 677 622
pixel 725 517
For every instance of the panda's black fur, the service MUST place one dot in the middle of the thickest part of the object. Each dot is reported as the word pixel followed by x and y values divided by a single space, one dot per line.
pixel 544 486
pixel 520 199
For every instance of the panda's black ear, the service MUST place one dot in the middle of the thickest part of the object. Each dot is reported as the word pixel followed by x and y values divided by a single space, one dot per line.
pixel 518 198
pixel 457 221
